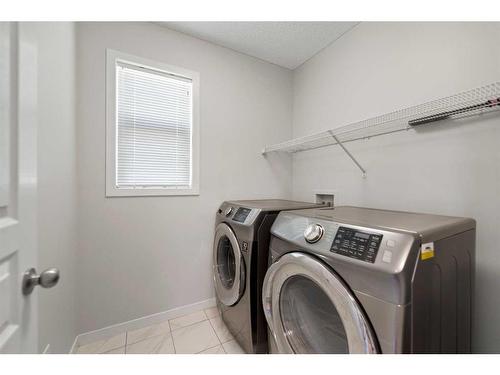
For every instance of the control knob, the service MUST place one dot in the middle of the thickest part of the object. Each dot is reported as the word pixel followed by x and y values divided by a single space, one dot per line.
pixel 313 233
pixel 228 211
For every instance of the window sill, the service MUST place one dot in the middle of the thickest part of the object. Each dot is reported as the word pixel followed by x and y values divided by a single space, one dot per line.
pixel 145 192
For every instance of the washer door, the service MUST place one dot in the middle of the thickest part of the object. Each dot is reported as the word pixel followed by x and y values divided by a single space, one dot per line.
pixel 309 309
pixel 229 268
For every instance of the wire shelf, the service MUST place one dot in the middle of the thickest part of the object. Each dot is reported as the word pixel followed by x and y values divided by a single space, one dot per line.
pixel 468 103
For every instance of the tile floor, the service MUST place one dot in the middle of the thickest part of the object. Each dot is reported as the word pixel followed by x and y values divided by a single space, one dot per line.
pixel 202 332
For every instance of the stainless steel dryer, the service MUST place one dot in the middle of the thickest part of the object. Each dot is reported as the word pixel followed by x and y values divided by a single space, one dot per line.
pixel 240 258
pixel 358 280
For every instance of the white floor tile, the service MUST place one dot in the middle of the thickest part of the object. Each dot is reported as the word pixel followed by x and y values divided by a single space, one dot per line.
pixel 195 338
pixel 215 350
pixel 116 351
pixel 187 320
pixel 154 345
pixel 212 312
pixel 103 346
pixel 232 347
pixel 147 332
pixel 221 330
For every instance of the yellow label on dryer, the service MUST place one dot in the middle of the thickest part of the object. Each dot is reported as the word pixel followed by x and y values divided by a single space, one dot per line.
pixel 427 251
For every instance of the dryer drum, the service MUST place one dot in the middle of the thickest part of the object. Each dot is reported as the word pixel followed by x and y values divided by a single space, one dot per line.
pixel 310 320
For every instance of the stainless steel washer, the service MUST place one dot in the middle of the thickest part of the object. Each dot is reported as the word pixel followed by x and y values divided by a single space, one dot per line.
pixel 358 280
pixel 240 259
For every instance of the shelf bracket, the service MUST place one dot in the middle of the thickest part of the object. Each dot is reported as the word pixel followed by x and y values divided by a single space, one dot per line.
pixel 348 153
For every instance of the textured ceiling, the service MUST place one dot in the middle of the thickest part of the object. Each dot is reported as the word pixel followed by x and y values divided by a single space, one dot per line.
pixel 288 44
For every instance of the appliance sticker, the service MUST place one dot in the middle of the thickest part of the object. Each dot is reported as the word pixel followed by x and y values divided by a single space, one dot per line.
pixel 427 251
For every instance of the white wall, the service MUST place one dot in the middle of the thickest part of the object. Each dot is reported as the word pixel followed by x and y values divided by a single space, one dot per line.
pixel 447 168
pixel 139 256
pixel 55 43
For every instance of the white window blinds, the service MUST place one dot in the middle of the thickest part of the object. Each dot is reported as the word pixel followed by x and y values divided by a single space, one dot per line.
pixel 153 129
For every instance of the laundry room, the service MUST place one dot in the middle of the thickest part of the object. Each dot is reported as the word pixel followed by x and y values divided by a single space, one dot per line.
pixel 248 185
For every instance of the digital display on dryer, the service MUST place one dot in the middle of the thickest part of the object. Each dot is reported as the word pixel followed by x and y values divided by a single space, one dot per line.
pixel 362 235
pixel 241 214
pixel 356 244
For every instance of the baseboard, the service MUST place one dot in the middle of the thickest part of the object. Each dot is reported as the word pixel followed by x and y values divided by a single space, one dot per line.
pixel 115 329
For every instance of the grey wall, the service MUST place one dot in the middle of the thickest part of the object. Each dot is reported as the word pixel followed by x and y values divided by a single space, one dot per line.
pixel 55 43
pixel 447 168
pixel 139 256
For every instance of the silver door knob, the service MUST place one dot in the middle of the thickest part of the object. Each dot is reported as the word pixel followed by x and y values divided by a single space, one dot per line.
pixel 47 279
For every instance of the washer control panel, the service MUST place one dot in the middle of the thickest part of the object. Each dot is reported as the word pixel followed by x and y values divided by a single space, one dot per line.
pixel 356 244
pixel 241 214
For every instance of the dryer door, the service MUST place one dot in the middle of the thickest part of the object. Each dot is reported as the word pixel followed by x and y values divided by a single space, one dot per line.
pixel 309 309
pixel 229 268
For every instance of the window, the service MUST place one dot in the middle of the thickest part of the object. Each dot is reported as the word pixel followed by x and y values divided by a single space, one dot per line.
pixel 152 135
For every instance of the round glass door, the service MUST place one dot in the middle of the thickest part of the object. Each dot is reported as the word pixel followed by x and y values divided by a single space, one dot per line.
pixel 229 271
pixel 309 309
pixel 310 320
pixel 226 262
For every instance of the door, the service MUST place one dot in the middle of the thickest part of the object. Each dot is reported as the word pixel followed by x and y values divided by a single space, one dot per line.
pixel 18 184
pixel 229 267
pixel 309 309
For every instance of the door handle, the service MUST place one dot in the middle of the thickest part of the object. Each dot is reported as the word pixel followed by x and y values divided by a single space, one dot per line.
pixel 46 279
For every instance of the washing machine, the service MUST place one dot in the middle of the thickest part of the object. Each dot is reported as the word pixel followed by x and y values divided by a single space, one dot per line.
pixel 240 259
pixel 360 280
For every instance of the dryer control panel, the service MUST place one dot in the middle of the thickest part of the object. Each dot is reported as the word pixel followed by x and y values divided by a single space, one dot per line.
pixel 356 244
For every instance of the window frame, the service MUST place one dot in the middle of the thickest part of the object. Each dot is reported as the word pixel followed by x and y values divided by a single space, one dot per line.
pixel 112 57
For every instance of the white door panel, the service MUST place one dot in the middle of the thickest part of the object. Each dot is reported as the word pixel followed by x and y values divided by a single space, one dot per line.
pixel 18 183
pixel 5 92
